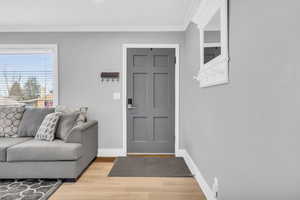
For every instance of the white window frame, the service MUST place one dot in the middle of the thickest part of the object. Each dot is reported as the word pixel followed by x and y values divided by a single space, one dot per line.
pixel 214 72
pixel 36 49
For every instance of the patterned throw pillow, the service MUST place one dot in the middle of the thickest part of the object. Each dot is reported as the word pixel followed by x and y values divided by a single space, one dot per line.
pixel 82 117
pixel 10 118
pixel 48 127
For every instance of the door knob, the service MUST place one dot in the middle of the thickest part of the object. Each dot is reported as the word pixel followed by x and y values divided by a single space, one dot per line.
pixel 130 104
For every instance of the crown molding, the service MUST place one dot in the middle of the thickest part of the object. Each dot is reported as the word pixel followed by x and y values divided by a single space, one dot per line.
pixel 189 15
pixel 38 28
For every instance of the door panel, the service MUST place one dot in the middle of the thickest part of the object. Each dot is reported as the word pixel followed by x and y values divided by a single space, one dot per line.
pixel 161 92
pixel 140 61
pixel 161 126
pixel 151 92
pixel 161 61
pixel 139 93
pixel 140 133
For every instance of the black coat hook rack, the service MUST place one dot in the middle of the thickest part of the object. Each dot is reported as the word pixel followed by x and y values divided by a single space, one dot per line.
pixel 110 76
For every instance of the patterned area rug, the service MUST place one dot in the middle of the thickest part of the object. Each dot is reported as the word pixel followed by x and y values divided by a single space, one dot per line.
pixel 28 189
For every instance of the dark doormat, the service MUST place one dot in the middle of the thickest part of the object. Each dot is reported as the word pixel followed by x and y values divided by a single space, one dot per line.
pixel 149 167
pixel 29 189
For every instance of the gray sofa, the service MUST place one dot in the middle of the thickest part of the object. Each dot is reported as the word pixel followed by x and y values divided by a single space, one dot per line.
pixel 26 157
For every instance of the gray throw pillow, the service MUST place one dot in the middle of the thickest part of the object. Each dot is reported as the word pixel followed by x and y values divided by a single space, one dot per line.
pixel 65 124
pixel 48 127
pixel 82 117
pixel 32 120
pixel 10 118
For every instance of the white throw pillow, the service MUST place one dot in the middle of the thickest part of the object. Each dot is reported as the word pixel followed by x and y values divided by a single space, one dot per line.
pixel 48 127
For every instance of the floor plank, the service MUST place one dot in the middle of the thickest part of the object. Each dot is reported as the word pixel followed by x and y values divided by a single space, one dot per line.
pixel 95 185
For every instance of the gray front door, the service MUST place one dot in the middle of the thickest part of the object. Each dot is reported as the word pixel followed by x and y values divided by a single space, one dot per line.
pixel 150 100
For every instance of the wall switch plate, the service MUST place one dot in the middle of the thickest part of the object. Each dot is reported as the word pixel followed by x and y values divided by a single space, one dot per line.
pixel 116 95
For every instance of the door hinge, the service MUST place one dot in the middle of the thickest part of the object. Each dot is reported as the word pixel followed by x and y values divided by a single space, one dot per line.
pixel 175 60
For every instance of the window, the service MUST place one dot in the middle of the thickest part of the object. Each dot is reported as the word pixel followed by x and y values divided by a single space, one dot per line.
pixel 28 75
pixel 212 21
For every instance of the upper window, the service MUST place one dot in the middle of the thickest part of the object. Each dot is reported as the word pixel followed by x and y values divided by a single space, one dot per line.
pixel 212 21
pixel 28 75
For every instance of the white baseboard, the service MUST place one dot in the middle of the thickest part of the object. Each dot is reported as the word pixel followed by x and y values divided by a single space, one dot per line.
pixel 198 176
pixel 150 154
pixel 110 152
pixel 180 153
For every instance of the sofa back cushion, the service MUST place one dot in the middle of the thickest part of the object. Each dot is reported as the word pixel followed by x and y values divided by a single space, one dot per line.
pixel 10 118
pixel 65 124
pixel 48 127
pixel 32 120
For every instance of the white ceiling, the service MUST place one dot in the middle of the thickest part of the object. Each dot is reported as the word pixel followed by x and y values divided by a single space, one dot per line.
pixel 96 15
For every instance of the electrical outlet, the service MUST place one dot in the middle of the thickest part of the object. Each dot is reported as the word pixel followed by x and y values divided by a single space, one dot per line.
pixel 215 187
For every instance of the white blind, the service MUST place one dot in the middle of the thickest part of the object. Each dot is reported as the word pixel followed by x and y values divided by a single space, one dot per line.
pixel 26 77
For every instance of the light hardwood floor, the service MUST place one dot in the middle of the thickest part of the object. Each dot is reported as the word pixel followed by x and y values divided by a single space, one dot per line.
pixel 95 185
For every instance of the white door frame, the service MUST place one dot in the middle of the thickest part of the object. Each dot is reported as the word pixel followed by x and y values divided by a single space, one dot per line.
pixel 124 89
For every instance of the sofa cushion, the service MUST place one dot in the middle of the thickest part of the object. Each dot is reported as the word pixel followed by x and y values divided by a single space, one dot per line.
pixel 65 124
pixel 48 127
pixel 32 120
pixel 10 118
pixel 7 142
pixel 39 150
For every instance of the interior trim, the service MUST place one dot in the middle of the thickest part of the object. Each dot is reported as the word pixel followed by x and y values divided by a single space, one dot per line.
pixel 103 152
pixel 150 154
pixel 41 28
pixel 209 194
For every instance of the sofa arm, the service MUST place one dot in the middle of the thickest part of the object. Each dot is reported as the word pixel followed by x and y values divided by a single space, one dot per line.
pixel 78 133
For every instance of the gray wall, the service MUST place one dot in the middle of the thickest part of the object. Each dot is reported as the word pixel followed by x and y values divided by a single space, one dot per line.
pixel 247 133
pixel 82 56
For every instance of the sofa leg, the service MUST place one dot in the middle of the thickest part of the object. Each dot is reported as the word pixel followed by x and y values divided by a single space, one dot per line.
pixel 69 180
